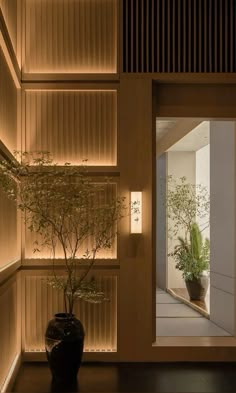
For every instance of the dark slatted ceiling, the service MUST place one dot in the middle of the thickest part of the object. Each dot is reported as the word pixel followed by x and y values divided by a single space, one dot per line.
pixel 179 35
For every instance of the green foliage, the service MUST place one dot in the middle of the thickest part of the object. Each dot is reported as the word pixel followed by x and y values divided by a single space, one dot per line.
pixel 192 257
pixel 185 204
pixel 65 207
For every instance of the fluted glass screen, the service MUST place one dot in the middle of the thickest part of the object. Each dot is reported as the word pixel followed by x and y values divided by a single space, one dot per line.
pixel 73 125
pixel 70 36
pixel 103 196
pixel 41 302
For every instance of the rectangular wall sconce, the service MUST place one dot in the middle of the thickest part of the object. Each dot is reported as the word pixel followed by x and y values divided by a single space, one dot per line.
pixel 136 212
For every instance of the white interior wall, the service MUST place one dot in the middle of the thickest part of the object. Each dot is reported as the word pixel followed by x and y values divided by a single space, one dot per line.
pixel 161 234
pixel 222 223
pixel 203 178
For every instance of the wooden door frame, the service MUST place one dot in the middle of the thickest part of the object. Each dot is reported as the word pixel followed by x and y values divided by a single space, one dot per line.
pixel 191 100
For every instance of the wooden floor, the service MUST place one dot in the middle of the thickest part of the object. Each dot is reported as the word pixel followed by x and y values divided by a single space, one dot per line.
pixel 201 306
pixel 134 377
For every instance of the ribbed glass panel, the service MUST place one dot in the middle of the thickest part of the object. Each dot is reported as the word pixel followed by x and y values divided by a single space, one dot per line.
pixel 73 125
pixel 8 328
pixel 108 193
pixel 76 36
pixel 99 320
pixel 179 35
pixel 8 106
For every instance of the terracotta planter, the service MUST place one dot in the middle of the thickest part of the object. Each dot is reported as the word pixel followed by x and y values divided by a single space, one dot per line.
pixel 197 288
pixel 64 341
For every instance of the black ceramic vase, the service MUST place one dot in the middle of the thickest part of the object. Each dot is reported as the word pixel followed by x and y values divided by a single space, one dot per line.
pixel 197 288
pixel 64 341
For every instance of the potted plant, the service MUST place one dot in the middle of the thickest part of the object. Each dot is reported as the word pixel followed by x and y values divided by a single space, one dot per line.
pixel 72 215
pixel 192 259
pixel 188 205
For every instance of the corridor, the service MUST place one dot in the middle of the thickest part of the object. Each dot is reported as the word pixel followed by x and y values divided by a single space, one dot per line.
pixel 176 319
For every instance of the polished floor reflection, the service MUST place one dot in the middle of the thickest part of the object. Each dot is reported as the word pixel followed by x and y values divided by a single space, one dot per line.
pixel 134 377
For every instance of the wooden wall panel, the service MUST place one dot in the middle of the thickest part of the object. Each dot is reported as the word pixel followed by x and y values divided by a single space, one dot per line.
pixel 73 125
pixel 196 100
pixel 8 328
pixel 8 106
pixel 9 11
pixel 179 36
pixel 76 36
pixel 8 135
pixel 106 195
pixel 136 153
pixel 41 302
pixel 8 231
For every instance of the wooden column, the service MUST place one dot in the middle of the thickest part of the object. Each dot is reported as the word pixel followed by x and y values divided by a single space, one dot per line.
pixel 135 251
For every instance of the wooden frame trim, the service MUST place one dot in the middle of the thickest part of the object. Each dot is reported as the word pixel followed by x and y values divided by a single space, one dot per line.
pixel 154 213
pixel 46 264
pixel 9 53
pixel 70 85
pixel 195 341
pixel 10 378
pixel 119 38
pixel 67 77
pixel 184 77
pixel 193 348
pixel 7 271
pixel 5 152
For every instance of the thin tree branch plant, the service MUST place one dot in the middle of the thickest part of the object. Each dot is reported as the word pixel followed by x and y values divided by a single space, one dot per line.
pixel 187 205
pixel 69 211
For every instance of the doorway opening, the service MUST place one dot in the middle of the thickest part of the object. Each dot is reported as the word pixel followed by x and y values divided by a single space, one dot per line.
pixel 195 226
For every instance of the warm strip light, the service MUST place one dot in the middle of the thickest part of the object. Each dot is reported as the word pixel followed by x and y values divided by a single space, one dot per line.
pixel 4 387
pixel 8 265
pixel 71 90
pixel 9 62
pixel 136 212
pixel 74 71
pixel 86 349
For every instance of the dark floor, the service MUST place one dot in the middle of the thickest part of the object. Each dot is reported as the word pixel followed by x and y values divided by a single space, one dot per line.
pixel 134 377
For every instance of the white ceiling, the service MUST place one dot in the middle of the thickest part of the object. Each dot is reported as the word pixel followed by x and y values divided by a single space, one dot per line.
pixel 163 126
pixel 193 141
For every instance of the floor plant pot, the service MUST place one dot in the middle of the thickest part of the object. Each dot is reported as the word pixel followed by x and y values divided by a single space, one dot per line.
pixel 197 288
pixel 64 341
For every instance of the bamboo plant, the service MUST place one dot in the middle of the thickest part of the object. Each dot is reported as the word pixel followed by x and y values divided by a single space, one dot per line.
pixel 192 256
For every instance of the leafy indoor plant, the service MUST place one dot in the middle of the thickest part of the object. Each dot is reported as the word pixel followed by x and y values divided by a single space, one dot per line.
pixel 75 218
pixel 192 259
pixel 186 204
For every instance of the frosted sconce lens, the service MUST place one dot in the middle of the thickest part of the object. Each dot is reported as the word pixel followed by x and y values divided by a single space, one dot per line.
pixel 136 212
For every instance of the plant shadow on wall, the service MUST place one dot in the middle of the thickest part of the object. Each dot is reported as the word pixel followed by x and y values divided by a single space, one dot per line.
pixel 69 211
pixel 188 207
